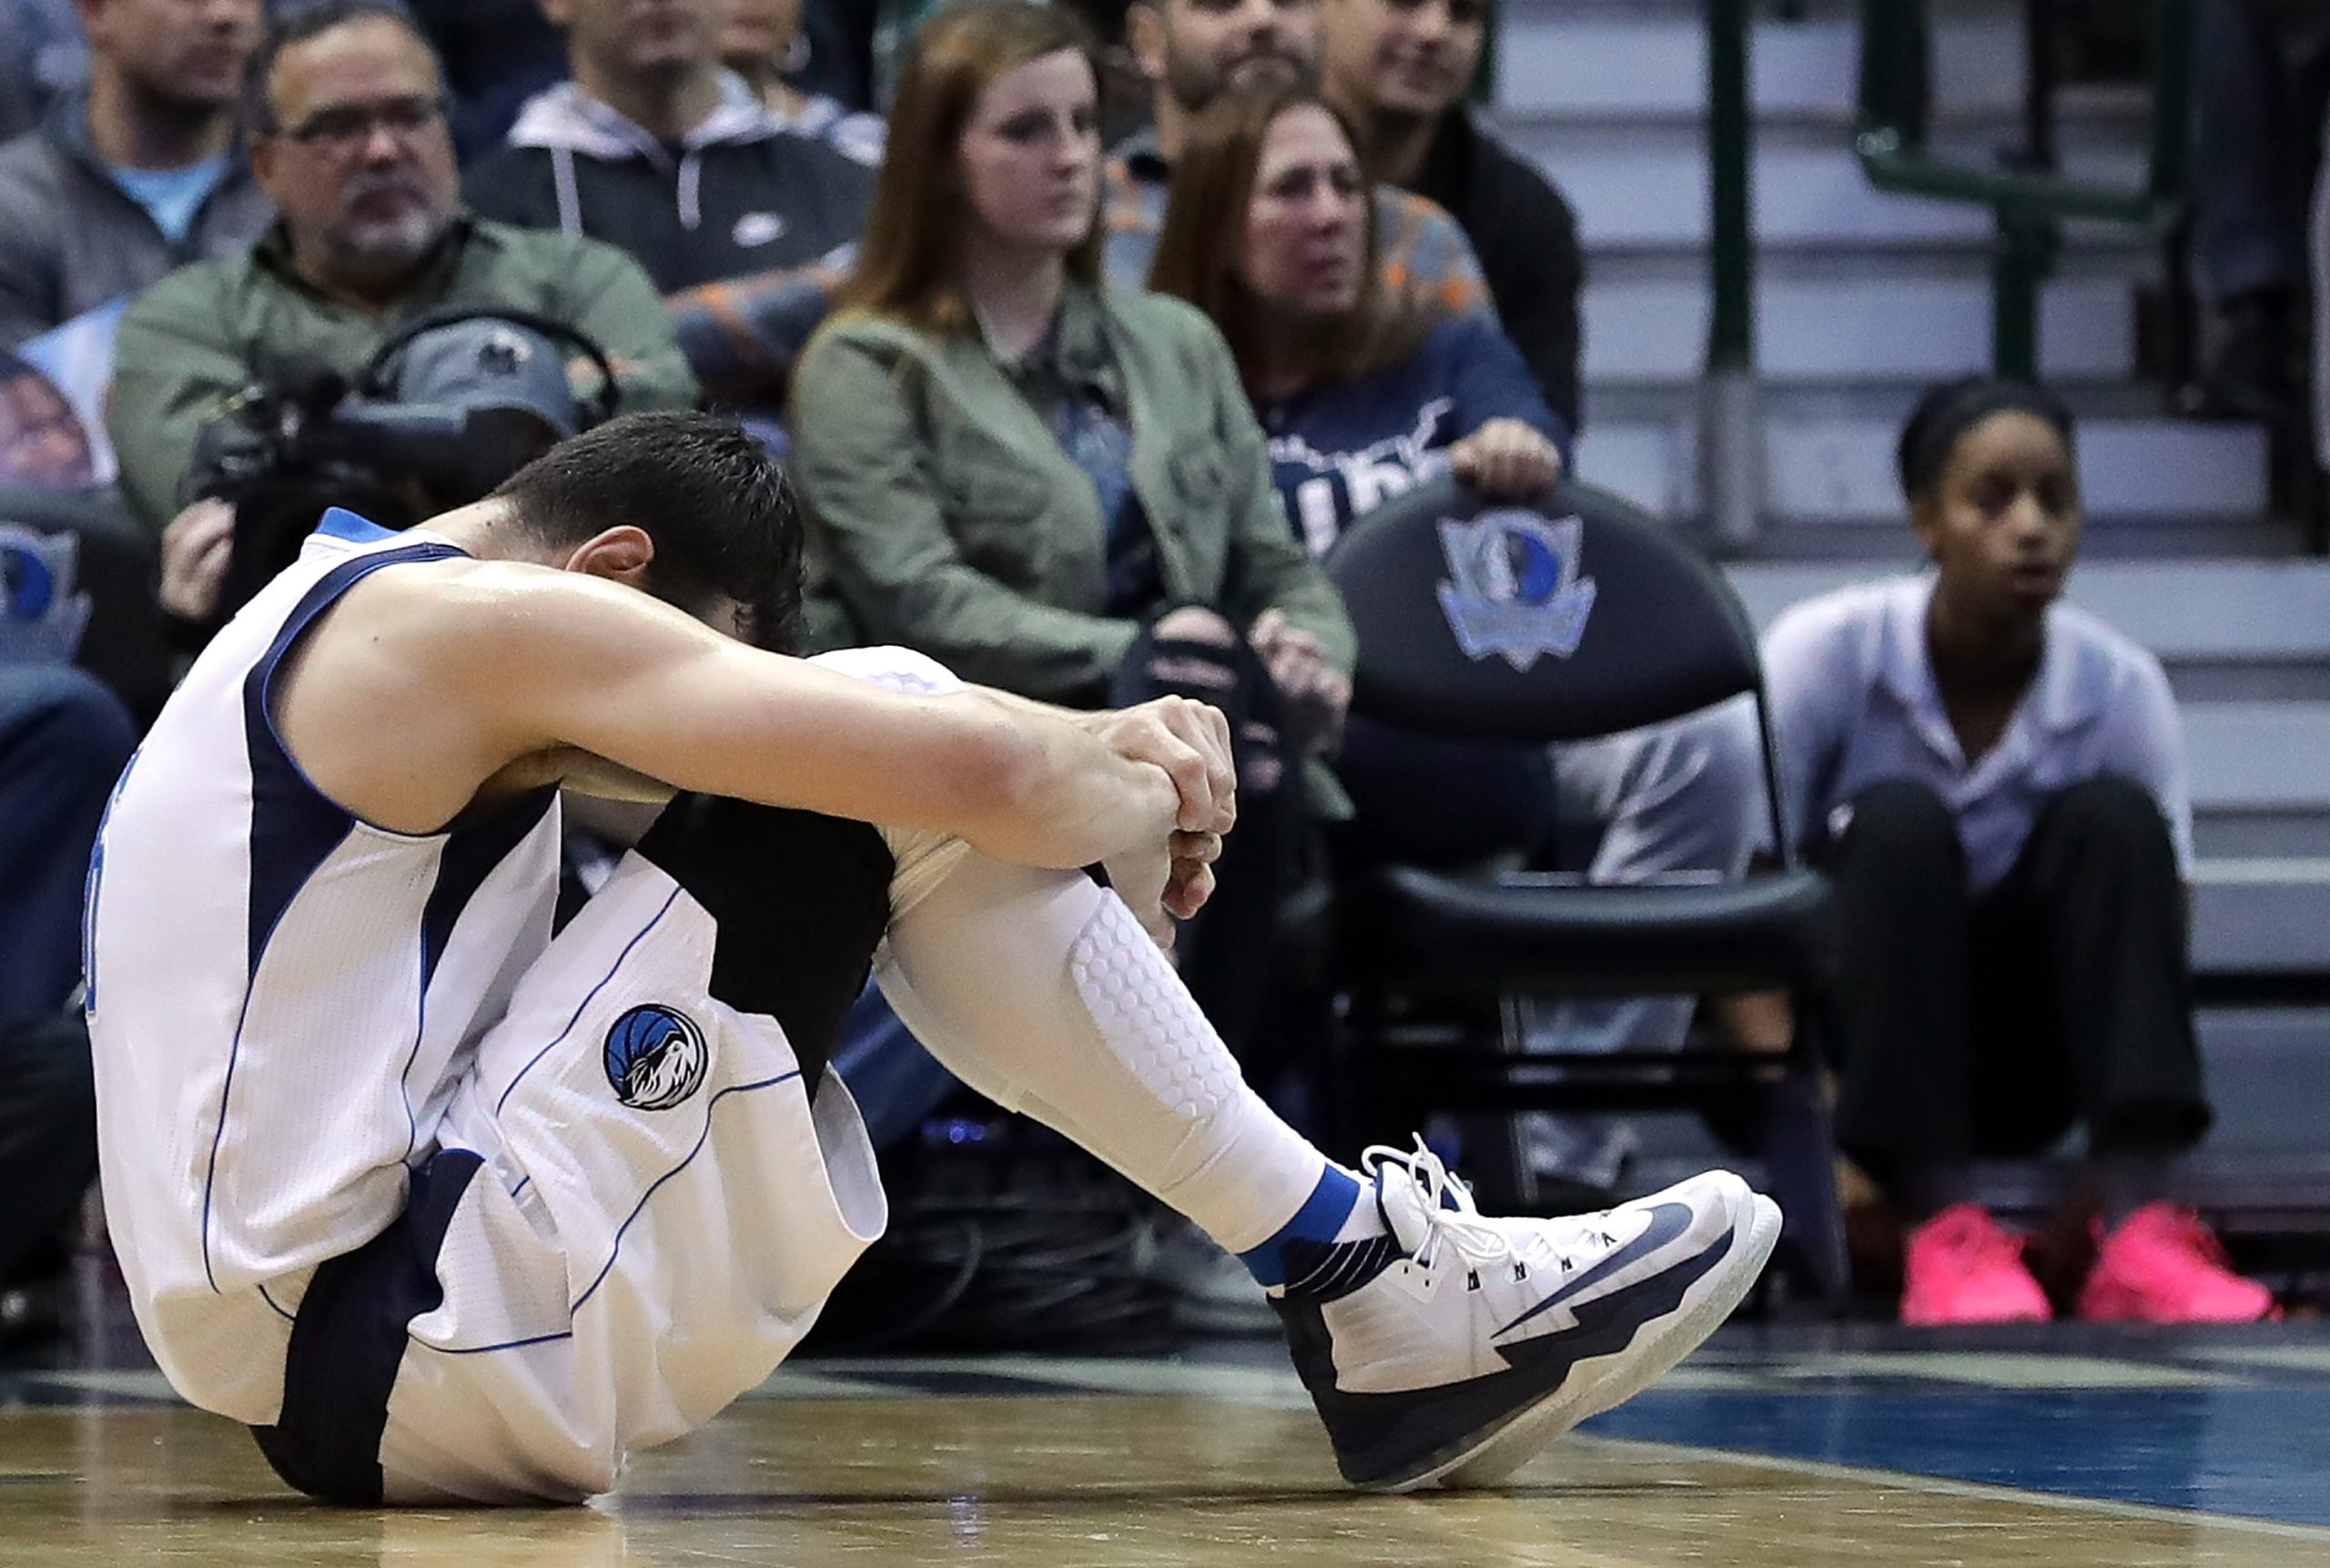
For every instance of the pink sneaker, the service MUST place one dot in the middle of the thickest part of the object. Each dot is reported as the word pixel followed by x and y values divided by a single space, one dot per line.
pixel 2163 1266
pixel 1961 1267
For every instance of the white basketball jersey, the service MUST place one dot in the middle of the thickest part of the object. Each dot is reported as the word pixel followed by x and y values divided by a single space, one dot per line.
pixel 261 962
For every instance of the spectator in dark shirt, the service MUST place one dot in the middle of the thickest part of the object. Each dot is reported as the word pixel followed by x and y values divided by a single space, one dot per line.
pixel 658 149
pixel 497 53
pixel 1400 69
pixel 758 40
pixel 1363 396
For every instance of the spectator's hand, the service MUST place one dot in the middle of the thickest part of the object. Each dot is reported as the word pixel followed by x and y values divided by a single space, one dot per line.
pixel 1317 694
pixel 197 548
pixel 1506 460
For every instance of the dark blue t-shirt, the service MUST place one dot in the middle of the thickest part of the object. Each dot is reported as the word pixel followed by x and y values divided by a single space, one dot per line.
pixel 1340 449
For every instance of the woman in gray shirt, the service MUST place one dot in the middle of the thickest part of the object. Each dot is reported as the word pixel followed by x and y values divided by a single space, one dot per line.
pixel 1996 782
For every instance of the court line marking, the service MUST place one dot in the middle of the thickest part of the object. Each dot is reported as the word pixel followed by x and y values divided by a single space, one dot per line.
pixel 2021 1370
pixel 147 1384
pixel 2280 1358
pixel 1974 1491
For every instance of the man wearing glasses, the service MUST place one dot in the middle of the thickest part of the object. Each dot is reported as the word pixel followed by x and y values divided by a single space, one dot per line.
pixel 345 112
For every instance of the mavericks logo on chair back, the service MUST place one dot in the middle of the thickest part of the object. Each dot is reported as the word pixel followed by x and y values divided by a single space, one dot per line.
pixel 1514 587
pixel 41 617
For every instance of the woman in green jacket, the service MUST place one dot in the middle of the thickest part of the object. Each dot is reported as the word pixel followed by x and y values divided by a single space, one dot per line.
pixel 1052 488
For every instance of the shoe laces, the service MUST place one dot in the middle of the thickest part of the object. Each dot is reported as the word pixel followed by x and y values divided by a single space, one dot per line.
pixel 1449 1210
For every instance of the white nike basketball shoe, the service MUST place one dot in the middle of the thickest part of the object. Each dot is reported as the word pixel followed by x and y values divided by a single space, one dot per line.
pixel 1454 1348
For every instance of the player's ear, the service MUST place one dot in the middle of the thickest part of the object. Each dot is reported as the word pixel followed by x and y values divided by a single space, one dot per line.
pixel 621 554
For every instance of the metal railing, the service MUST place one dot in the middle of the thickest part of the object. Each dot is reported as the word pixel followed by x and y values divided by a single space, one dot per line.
pixel 2030 199
pixel 1730 434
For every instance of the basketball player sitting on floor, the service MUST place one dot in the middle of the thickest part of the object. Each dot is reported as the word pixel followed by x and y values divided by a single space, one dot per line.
pixel 445 1207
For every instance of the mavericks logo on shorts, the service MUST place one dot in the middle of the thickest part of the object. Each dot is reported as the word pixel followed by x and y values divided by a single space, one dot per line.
pixel 656 1057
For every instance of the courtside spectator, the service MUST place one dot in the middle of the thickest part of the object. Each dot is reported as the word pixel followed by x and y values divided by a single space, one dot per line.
pixel 1400 69
pixel 1054 488
pixel 1996 782
pixel 43 444
pixel 348 135
pixel 656 148
pixel 64 739
pixel 759 40
pixel 1364 398
pixel 1270 232
pixel 136 175
pixel 1193 51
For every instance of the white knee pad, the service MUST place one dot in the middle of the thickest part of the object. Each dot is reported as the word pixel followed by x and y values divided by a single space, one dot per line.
pixel 1147 1017
pixel 1040 990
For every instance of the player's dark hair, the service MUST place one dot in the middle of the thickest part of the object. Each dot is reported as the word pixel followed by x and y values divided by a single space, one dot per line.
pixel 718 506
pixel 296 25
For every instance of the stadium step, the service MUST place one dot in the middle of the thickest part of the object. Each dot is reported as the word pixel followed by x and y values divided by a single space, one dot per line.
pixel 1863 297
pixel 1645 59
pixel 1835 467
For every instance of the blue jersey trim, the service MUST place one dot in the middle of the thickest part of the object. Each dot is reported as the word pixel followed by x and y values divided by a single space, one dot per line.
pixel 294 828
pixel 293 823
pixel 488 1350
pixel 339 522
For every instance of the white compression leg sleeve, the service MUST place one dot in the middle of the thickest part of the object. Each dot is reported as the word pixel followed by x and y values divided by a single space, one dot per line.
pixel 1039 990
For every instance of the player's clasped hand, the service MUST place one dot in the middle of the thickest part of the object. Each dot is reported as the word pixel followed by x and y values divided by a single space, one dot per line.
pixel 1190 741
pixel 1189 881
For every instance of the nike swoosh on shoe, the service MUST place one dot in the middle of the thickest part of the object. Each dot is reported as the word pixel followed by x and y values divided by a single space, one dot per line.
pixel 1667 1222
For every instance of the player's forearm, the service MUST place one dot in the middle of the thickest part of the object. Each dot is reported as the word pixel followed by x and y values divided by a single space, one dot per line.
pixel 1065 799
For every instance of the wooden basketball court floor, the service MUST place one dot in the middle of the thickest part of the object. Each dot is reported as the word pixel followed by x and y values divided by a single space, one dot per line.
pixel 1804 1449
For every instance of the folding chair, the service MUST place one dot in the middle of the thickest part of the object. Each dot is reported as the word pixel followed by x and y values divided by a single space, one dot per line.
pixel 107 557
pixel 1487 623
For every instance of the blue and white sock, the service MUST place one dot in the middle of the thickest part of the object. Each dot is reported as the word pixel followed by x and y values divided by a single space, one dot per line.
pixel 1336 1242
